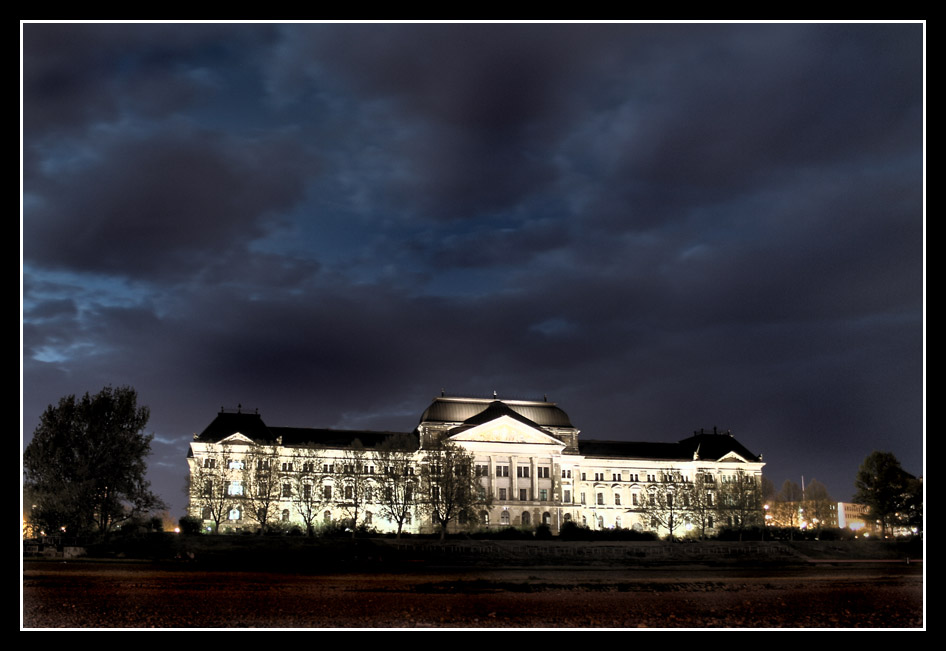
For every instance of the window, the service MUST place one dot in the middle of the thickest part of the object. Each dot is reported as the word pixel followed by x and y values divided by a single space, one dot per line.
pixel 208 488
pixel 599 476
pixel 615 476
pixel 567 498
pixel 504 518
pixel 368 493
pixel 583 498
pixel 235 488
pixel 368 517
pixel 523 494
pixel 709 499
pixel 235 464
pixel 502 494
pixel 526 518
pixel 327 493
pixel 634 499
pixel 484 518
pixel 546 518
pixel 482 470
pixel 633 477
pixel 651 477
pixel 328 467
pixel 617 499
pixel 234 513
pixel 522 471
pixel 669 499
pixel 543 494
pixel 600 499
pixel 583 476
pixel 262 464
pixel 409 470
pixel 287 490
pixel 287 467
pixel 617 522
pixel 566 474
pixel 206 513
pixel 308 467
pixel 502 471
pixel 210 463
pixel 327 516
pixel 307 491
pixel 285 515
pixel 349 492
pixel 543 472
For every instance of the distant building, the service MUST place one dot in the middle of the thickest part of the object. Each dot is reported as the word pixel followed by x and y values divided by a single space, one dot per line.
pixel 528 457
pixel 855 517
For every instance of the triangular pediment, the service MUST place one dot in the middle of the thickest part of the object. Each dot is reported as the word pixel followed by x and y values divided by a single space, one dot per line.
pixel 237 439
pixel 733 457
pixel 504 430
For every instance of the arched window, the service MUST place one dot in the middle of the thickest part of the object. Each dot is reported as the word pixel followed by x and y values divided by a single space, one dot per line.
pixel 484 518
pixel 526 518
pixel 327 516
pixel 568 517
pixel 546 518
pixel 234 513
pixel 617 522
pixel 285 515
pixel 503 518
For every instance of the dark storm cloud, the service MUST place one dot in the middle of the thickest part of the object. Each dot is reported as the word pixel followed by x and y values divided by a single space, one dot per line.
pixel 81 74
pixel 662 227
pixel 160 203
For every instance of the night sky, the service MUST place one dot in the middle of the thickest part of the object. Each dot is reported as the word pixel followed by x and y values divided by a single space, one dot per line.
pixel 661 227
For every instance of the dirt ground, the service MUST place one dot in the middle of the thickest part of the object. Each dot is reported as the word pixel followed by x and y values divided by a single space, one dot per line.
pixel 129 595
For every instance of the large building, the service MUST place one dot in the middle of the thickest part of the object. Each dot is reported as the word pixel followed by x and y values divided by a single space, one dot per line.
pixel 528 463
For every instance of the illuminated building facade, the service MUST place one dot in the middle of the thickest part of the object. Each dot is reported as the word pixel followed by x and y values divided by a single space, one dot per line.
pixel 528 457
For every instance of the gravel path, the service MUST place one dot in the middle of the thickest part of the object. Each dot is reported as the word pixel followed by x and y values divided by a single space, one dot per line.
pixel 81 595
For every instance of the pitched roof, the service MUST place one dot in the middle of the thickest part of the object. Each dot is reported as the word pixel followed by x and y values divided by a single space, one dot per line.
pixel 253 427
pixel 460 410
pixel 710 447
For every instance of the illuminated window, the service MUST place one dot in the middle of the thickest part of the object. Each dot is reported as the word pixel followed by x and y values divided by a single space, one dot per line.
pixel 235 488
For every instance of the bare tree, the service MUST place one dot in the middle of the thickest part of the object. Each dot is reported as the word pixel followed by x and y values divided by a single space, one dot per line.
pixel 740 501
pixel 355 482
pixel 786 506
pixel 703 503
pixel 262 479
pixel 215 483
pixel 817 506
pixel 398 483
pixel 451 489
pixel 306 482
pixel 669 502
